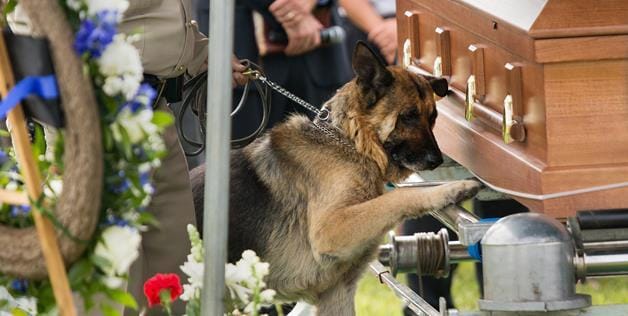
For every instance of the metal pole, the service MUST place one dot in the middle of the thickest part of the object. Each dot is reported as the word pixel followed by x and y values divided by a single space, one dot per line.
pixel 415 303
pixel 216 208
pixel 453 215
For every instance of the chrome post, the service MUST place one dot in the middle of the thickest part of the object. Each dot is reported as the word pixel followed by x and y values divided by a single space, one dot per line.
pixel 218 129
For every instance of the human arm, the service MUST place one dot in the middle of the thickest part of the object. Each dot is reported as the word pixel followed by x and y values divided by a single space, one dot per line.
pixel 237 78
pixel 382 32
pixel 288 12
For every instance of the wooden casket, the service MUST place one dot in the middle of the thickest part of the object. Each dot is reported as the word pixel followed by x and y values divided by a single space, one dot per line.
pixel 539 100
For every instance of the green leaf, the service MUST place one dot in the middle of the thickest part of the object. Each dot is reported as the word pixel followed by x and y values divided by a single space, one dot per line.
pixel 18 312
pixel 39 142
pixel 9 7
pixel 100 261
pixel 148 219
pixel 4 133
pixel 162 119
pixel 193 308
pixel 109 311
pixel 123 298
pixel 80 271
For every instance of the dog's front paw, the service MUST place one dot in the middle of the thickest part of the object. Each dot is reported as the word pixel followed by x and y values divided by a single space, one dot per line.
pixel 454 192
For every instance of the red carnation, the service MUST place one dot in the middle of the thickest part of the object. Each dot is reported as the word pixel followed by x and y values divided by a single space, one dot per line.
pixel 159 286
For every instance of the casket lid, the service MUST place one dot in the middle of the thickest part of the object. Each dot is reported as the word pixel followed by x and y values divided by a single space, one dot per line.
pixel 559 18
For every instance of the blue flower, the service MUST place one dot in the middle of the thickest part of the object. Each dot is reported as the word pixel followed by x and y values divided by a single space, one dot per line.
pixel 139 152
pixel 143 98
pixel 96 33
pixel 113 220
pixel 3 157
pixel 121 184
pixel 19 285
pixel 20 210
pixel 144 178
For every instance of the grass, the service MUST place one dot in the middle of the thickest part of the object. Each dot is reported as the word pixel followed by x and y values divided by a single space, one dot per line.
pixel 375 299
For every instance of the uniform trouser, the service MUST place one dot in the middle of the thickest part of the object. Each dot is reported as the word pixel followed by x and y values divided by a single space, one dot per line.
pixel 166 247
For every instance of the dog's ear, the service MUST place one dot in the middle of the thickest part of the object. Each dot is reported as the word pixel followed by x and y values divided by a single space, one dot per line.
pixel 372 76
pixel 439 85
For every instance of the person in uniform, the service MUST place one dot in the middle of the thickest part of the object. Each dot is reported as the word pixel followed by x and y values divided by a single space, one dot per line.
pixel 170 46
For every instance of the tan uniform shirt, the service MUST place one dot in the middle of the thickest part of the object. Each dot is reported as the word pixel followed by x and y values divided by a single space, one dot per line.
pixel 171 42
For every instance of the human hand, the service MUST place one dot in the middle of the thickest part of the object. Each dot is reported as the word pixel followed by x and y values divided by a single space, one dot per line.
pixel 303 36
pixel 291 11
pixel 238 78
pixel 384 35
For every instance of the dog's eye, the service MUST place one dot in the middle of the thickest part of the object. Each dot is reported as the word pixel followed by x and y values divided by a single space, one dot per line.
pixel 411 116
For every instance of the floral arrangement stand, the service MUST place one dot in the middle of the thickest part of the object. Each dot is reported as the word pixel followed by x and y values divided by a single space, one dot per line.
pixel 32 179
pixel 78 207
pixel 77 232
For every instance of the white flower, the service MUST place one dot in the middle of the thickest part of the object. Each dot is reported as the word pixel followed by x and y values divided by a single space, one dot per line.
pixel 74 4
pixel 237 273
pixel 194 270
pixel 137 125
pixel 261 269
pixel 197 250
pixel 119 246
pixel 120 63
pixel 267 295
pixel 249 256
pixel 113 282
pixel 95 6
pixel 125 84
pixel 12 186
pixel 189 292
pixel 27 304
pixel 234 275
pixel 53 188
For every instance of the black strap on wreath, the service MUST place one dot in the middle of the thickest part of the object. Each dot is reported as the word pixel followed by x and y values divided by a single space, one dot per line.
pixel 195 98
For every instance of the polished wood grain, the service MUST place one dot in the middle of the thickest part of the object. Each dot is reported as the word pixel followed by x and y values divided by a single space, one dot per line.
pixel 570 93
pixel 572 18
pixel 587 112
pixel 477 69
pixel 496 76
pixel 443 49
pixel 13 197
pixel 514 84
pixel 413 32
pixel 588 48
pixel 495 31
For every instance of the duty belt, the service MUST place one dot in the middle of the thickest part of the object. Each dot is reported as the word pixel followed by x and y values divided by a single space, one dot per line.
pixel 171 88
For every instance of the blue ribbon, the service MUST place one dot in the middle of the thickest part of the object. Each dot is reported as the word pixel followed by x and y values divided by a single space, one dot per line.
pixel 475 250
pixel 43 86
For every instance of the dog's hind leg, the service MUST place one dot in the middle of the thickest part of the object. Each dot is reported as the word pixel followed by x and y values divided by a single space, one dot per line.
pixel 337 301
pixel 341 233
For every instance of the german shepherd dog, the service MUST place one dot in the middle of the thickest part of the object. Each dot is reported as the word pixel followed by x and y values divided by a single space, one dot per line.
pixel 312 203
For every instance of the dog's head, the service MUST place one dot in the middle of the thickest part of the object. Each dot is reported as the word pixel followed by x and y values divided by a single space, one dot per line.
pixel 389 113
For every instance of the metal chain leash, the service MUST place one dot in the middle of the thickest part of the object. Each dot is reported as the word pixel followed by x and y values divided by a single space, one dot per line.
pixel 287 94
pixel 322 115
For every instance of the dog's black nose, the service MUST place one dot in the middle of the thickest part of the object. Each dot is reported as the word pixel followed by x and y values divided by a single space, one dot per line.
pixel 433 161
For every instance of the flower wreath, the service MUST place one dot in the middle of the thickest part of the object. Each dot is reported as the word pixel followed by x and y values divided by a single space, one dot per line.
pixel 132 148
